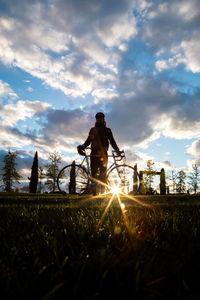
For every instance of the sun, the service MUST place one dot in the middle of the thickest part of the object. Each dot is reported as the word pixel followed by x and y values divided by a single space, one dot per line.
pixel 115 190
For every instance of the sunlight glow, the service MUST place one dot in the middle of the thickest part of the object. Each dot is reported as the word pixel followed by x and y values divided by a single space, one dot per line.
pixel 122 205
pixel 116 190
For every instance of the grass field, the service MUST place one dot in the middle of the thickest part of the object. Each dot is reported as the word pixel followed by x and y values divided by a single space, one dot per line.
pixel 55 247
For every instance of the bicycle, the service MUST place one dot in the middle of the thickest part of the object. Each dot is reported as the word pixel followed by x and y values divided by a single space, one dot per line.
pixel 77 179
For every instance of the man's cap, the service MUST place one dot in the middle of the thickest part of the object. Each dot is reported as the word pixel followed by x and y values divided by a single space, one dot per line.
pixel 100 115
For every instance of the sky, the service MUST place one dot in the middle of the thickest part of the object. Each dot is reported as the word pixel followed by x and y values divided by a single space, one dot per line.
pixel 138 61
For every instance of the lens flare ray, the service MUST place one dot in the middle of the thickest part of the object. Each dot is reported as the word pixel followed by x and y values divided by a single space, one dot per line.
pixel 116 191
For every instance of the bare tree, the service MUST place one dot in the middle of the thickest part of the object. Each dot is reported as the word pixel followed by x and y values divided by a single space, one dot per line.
pixel 173 178
pixel 172 181
pixel 53 170
pixel 194 178
pixel 41 176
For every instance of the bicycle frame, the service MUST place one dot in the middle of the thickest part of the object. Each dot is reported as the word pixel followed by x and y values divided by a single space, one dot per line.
pixel 114 164
pixel 116 168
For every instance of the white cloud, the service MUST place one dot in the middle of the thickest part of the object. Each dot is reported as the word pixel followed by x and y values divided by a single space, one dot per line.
pixel 172 62
pixel 123 47
pixel 83 37
pixel 11 113
pixel 194 150
pixel 6 91
pixel 123 29
pixel 30 89
pixel 172 30
pixel 191 50
pixel 179 127
pixel 186 9
pixel 105 94
pixel 166 165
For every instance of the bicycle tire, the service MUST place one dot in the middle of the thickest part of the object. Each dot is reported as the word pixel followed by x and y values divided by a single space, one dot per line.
pixel 126 180
pixel 72 179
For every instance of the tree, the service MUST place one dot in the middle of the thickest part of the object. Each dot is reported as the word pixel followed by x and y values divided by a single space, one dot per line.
pixel 52 170
pixel 194 178
pixel 72 183
pixel 34 175
pixel 173 180
pixel 162 182
pixel 10 175
pixel 149 175
pixel 180 184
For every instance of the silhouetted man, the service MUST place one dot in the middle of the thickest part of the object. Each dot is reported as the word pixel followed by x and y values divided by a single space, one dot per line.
pixel 99 138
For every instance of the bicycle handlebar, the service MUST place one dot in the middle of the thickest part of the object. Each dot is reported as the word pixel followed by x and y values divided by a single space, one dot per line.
pixel 114 154
pixel 118 157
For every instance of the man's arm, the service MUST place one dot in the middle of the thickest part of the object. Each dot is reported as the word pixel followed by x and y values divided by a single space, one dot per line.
pixel 88 141
pixel 112 140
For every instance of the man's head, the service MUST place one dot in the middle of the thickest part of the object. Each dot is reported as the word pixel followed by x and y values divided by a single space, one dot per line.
pixel 100 118
pixel 100 115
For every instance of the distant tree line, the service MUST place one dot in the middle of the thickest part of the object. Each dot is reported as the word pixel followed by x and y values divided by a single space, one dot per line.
pixel 10 177
pixel 178 182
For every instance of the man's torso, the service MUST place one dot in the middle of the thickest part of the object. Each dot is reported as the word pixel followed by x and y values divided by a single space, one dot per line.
pixel 99 139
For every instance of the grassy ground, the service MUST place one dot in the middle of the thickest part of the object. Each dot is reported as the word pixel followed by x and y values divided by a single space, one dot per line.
pixel 55 247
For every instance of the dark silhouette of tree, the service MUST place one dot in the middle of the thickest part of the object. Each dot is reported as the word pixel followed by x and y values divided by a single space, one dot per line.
pixel 135 180
pixel 180 183
pixel 194 178
pixel 52 170
pixel 10 175
pixel 34 175
pixel 162 182
pixel 72 183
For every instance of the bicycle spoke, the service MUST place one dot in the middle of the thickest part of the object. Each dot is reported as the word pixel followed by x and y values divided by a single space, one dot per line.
pixel 73 179
pixel 123 177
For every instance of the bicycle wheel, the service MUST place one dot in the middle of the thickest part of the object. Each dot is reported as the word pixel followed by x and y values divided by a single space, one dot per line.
pixel 72 179
pixel 125 177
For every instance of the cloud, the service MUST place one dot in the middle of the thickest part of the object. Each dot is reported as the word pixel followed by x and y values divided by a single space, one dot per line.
pixel 191 49
pixel 133 122
pixel 172 30
pixel 55 129
pixel 194 150
pixel 84 38
pixel 134 157
pixel 169 63
pixel 30 89
pixel 72 125
pixel 103 94
pixel 183 121
pixel 11 113
pixel 167 165
pixel 153 107
pixel 6 91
